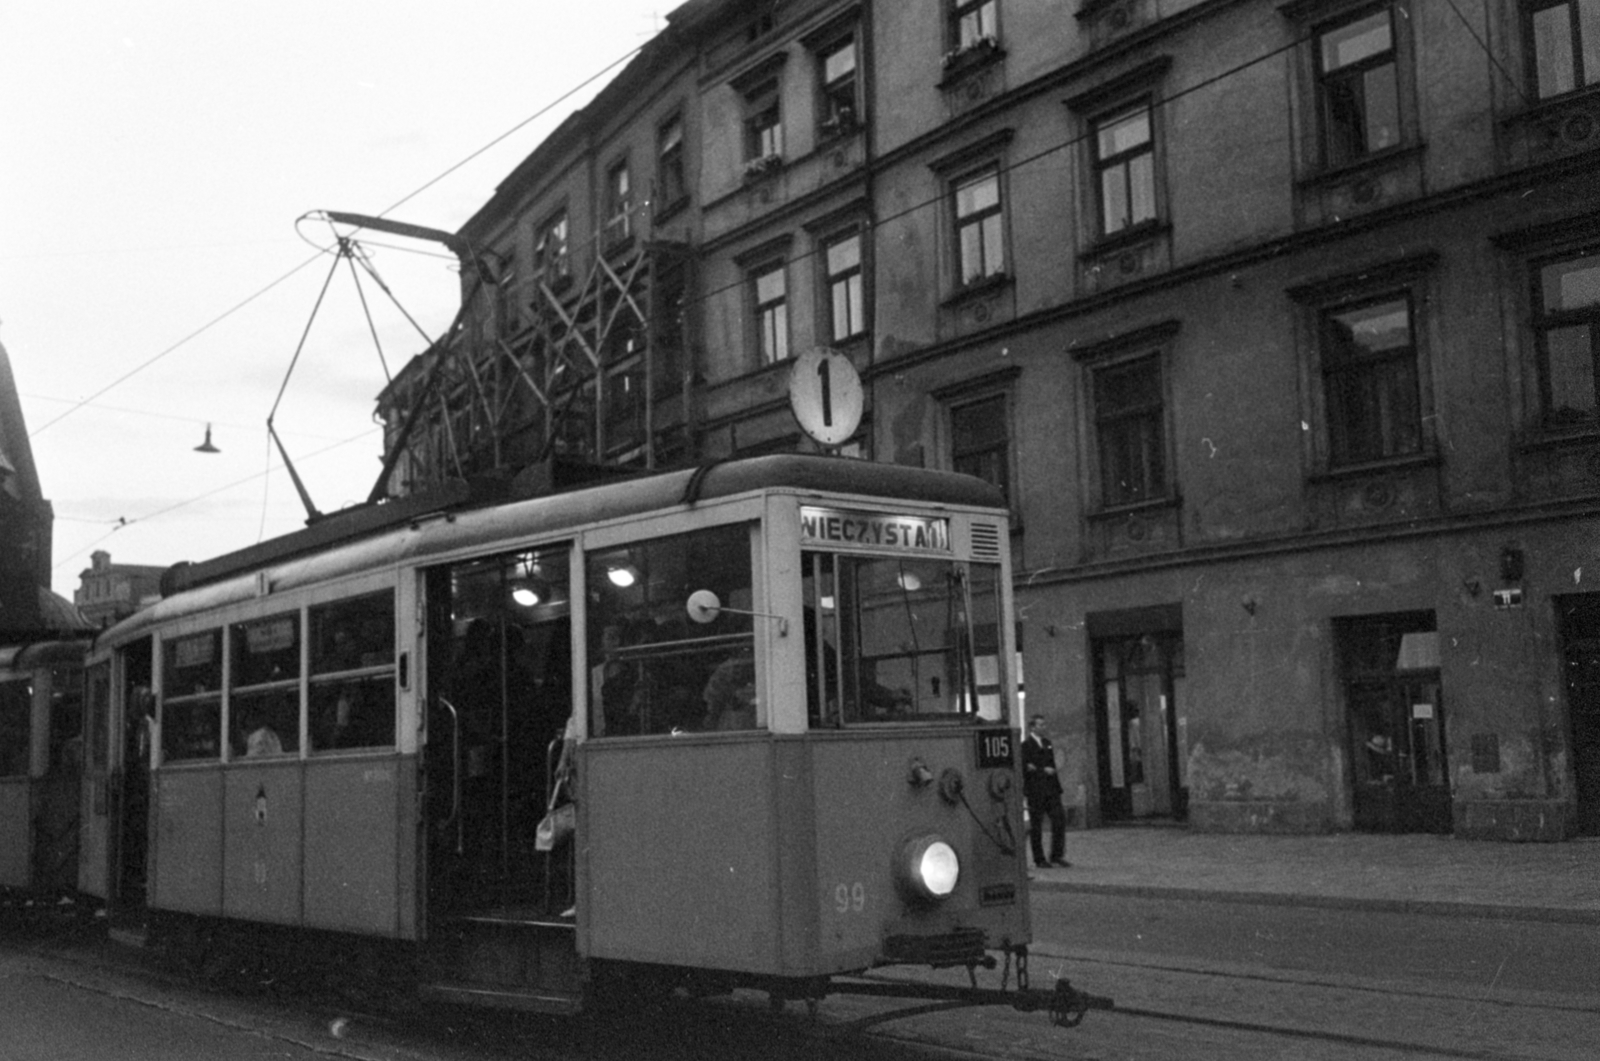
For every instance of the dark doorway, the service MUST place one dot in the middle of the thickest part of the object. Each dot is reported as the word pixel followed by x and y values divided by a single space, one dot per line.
pixel 1139 736
pixel 132 810
pixel 1578 617
pixel 1389 666
pixel 500 679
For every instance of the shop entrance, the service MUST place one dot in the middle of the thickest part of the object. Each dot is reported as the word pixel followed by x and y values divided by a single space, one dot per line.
pixel 1578 617
pixel 1389 665
pixel 1140 734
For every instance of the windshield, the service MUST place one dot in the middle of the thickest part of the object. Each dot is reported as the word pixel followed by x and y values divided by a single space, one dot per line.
pixel 901 639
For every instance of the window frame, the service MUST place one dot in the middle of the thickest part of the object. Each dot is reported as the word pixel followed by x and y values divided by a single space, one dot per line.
pixel 855 274
pixel 837 116
pixel 974 13
pixel 1355 72
pixel 672 171
pixel 763 124
pixel 1543 321
pixel 778 335
pixel 990 271
pixel 967 394
pixel 1582 80
pixel 619 204
pixel 552 270
pixel 1103 165
pixel 1372 370
pixel 1156 486
pixel 1412 277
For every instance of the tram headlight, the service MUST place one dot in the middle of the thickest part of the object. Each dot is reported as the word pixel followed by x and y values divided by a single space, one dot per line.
pixel 927 869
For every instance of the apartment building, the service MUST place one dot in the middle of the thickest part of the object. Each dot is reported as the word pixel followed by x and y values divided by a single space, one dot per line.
pixel 1277 323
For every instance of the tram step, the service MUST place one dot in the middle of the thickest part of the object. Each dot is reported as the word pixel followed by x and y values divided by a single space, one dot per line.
pixel 515 955
pixel 554 1003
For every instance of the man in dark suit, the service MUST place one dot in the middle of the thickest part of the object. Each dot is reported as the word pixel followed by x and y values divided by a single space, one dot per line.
pixel 1042 788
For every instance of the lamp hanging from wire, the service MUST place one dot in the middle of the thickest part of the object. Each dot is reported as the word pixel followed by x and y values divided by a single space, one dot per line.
pixel 206 446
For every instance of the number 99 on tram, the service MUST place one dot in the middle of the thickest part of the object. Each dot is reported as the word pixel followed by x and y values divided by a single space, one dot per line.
pixel 750 725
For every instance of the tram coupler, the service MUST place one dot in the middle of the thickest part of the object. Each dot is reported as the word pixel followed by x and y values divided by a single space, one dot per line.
pixel 1066 1005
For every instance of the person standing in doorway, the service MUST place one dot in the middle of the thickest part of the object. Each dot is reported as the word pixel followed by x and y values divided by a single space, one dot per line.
pixel 1042 788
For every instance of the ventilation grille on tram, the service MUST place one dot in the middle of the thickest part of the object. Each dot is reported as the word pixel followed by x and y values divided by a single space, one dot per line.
pixel 985 541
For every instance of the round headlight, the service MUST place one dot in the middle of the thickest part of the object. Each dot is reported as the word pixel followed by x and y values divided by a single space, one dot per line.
pixel 928 868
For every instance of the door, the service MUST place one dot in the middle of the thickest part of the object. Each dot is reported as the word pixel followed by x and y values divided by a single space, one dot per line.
pixel 1395 723
pixel 1140 753
pixel 131 805
pixel 500 693
pixel 1578 617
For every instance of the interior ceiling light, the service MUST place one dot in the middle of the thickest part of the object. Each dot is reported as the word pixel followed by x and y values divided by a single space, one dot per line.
pixel 622 576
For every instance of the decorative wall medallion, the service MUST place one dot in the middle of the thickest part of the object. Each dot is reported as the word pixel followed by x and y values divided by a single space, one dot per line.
pixel 1138 529
pixel 1364 192
pixel 1128 264
pixel 1377 496
pixel 1578 128
pixel 1119 18
pixel 981 312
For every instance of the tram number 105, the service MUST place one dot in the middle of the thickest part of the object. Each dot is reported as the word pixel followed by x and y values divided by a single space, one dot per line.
pixel 850 898
pixel 995 748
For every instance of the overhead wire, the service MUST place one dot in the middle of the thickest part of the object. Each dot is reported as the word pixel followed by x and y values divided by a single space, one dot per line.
pixel 541 112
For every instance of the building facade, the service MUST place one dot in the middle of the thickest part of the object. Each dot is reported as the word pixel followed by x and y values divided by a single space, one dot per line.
pixel 109 592
pixel 1276 321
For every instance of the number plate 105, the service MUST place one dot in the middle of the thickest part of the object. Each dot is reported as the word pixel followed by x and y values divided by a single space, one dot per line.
pixel 995 748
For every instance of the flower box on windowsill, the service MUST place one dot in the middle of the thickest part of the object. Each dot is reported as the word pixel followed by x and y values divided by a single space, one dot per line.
pixel 838 126
pixel 959 60
pixel 974 290
pixel 963 54
pixel 757 168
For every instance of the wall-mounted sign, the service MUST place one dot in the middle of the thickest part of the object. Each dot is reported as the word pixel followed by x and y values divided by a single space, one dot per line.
pixel 1508 598
pixel 831 526
pixel 825 395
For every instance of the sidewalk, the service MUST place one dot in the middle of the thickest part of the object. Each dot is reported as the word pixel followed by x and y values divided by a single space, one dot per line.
pixel 1417 873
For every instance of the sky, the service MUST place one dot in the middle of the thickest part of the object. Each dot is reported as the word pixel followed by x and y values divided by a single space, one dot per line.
pixel 156 276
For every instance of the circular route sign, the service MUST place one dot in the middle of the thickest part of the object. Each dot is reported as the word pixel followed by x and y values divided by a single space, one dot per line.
pixel 825 394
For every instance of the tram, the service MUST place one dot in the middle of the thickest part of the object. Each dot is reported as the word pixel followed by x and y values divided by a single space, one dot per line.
pixel 41 763
pixel 747 725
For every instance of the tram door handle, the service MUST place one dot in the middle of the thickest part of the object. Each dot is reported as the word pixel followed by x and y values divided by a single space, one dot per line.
pixel 455 775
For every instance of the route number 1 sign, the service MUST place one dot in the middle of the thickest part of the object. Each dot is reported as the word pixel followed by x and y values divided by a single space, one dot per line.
pixel 825 395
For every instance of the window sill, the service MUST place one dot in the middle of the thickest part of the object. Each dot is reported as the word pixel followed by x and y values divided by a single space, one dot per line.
pixel 1135 508
pixel 829 135
pixel 619 246
pixel 958 67
pixel 1346 472
pixel 1132 236
pixel 667 211
pixel 1545 439
pixel 978 289
pixel 759 169
pixel 1365 164
pixel 1553 106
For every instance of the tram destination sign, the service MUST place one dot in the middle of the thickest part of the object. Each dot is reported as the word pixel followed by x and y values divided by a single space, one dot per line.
pixel 879 530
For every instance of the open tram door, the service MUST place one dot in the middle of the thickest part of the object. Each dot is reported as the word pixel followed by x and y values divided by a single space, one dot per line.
pixel 121 693
pixel 499 694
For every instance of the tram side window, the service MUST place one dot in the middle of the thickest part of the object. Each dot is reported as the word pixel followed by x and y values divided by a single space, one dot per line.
pixel 651 669
pixel 903 638
pixel 191 700
pixel 352 673
pixel 15 727
pixel 264 704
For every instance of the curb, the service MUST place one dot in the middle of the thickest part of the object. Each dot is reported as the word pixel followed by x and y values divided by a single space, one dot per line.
pixel 1431 907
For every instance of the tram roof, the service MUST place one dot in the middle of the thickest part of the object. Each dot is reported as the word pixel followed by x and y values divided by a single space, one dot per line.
pixel 17 660
pixel 445 531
